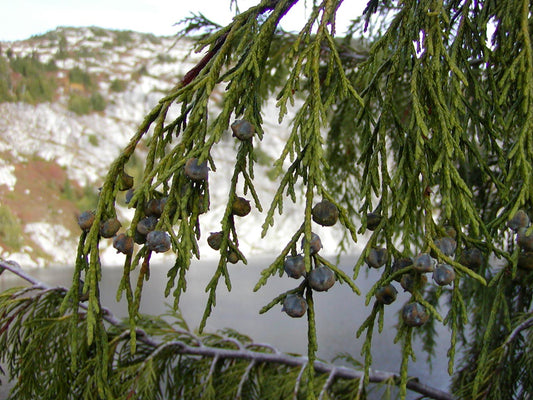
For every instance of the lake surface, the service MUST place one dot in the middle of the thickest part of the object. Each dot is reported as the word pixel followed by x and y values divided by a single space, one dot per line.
pixel 339 312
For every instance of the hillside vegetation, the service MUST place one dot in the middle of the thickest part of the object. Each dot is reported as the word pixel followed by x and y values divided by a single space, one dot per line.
pixel 70 99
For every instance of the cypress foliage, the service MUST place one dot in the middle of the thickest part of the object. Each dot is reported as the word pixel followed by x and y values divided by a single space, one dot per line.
pixel 424 135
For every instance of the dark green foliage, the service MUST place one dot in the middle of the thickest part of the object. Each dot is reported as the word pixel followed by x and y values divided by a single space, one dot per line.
pixel 99 32
pixel 108 45
pixel 142 71
pixel 118 85
pixel 43 363
pixel 51 66
pixel 62 51
pixel 6 93
pixel 170 361
pixel 153 39
pixel 460 138
pixel 82 104
pixel 98 102
pixel 77 75
pixel 36 83
pixel 496 363
pixel 29 80
pixel 123 38
pixel 88 198
pixel 67 191
pixel 79 104
pixel 165 58
pixel 93 139
pixel 85 52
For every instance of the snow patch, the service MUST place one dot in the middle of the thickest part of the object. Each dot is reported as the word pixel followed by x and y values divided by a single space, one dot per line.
pixel 23 259
pixel 55 240
pixel 7 176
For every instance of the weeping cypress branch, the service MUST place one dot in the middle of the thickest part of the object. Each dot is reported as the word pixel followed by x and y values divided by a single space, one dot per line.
pixel 429 129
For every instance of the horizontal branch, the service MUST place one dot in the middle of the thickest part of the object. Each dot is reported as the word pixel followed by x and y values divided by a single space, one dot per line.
pixel 320 366
pixel 243 353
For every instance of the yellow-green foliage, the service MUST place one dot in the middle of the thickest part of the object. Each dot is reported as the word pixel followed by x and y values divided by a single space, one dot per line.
pixel 81 104
pixel 118 85
pixel 10 229
pixel 430 128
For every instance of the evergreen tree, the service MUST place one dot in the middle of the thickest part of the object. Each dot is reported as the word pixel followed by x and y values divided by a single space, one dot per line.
pixel 420 130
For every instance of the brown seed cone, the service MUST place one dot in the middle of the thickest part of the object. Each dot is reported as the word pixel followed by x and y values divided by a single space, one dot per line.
pixel 125 181
pixel 242 129
pixel 146 224
pixel 321 279
pixel 110 227
pixel 195 171
pixel 414 314
pixel 123 243
pixel 325 213
pixel 158 241
pixel 215 240
pixel 154 207
pixel 233 257
pixel 241 207
pixel 386 294
pixel 85 220
pixel 294 305
pixel 372 221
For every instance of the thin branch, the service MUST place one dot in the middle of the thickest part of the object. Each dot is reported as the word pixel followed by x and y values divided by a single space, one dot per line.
pixel 528 323
pixel 193 72
pixel 334 371
pixel 331 377
pixel 360 388
pixel 299 379
pixel 244 378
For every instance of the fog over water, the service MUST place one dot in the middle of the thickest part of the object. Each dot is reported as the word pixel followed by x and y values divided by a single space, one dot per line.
pixel 339 312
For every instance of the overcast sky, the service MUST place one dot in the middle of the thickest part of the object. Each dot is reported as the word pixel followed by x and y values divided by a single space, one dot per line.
pixel 20 19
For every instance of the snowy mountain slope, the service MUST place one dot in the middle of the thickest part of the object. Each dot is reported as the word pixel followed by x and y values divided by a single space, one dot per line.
pixel 76 149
